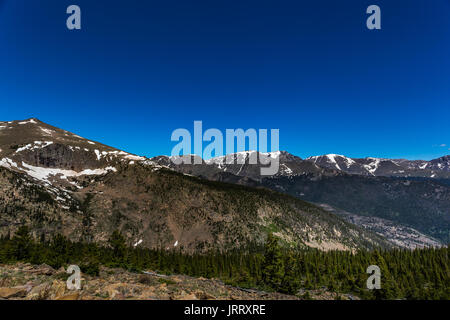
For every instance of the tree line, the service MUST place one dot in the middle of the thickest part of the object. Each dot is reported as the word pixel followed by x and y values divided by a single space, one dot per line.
pixel 405 274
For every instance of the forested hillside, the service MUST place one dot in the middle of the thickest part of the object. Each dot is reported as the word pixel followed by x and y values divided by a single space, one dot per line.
pixel 405 274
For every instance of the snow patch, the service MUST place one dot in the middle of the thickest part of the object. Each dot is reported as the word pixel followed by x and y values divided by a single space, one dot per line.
pixel 35 145
pixel 26 122
pixel 47 131
pixel 97 153
pixel 373 166
pixel 423 166
pixel 332 159
pixel 44 174
pixel 286 170
pixel 133 157
pixel 7 163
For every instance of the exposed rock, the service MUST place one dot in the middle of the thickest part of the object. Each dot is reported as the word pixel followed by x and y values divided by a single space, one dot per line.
pixel 40 163
pixel 40 292
pixel 57 289
pixel 16 292
pixel 43 269
pixel 73 296
pixel 117 284
pixel 204 296
pixel 188 297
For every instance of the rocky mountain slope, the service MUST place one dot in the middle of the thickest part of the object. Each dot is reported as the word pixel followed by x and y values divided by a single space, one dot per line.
pixel 396 233
pixel 331 164
pixel 240 166
pixel 423 205
pixel 436 168
pixel 417 199
pixel 55 156
pixel 42 282
pixel 57 182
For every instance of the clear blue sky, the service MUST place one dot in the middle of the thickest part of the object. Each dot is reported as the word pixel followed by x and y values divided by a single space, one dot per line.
pixel 140 69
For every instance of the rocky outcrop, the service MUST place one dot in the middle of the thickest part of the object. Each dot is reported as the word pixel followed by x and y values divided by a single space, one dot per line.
pixel 29 282
pixel 15 292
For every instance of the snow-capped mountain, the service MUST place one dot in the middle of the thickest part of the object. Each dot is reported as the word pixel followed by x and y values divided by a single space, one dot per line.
pixel 52 155
pixel 248 163
pixel 242 164
pixel 437 168
pixel 54 181
pixel 442 163
pixel 414 194
pixel 239 164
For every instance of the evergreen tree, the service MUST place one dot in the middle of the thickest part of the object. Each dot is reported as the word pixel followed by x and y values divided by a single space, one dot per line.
pixel 59 251
pixel 291 281
pixel 273 269
pixel 119 247
pixel 22 243
pixel 418 274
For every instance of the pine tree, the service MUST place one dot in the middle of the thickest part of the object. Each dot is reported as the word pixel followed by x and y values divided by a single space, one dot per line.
pixel 291 281
pixel 389 288
pixel 119 247
pixel 60 251
pixel 22 243
pixel 273 270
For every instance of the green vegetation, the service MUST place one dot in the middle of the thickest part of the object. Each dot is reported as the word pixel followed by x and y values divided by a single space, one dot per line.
pixel 272 268
pixel 406 274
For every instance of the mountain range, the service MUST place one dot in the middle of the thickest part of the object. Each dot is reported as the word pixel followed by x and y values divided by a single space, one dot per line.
pixel 410 194
pixel 291 165
pixel 58 182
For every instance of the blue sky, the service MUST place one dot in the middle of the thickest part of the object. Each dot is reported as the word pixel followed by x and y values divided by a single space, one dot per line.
pixel 140 69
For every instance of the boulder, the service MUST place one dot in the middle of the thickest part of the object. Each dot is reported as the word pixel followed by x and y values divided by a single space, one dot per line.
pixel 43 269
pixel 201 295
pixel 73 296
pixel 190 296
pixel 15 292
pixel 40 292
pixel 58 289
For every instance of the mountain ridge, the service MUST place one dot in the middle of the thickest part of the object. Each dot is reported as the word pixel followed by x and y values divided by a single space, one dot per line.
pixel 58 182
pixel 435 168
pixel 419 201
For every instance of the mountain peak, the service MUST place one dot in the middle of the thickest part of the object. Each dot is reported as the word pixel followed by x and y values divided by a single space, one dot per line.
pixel 50 154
